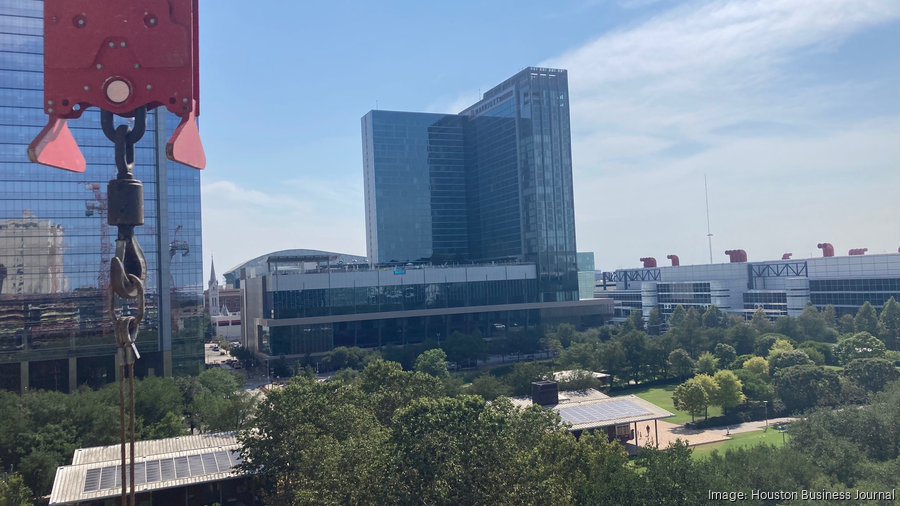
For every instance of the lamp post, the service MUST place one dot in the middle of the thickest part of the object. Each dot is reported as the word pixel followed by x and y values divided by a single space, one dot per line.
pixel 766 403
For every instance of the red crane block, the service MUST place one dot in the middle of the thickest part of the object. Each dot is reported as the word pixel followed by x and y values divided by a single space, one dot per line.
pixel 119 56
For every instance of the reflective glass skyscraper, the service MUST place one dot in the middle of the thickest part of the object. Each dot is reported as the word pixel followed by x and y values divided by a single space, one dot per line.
pixel 55 245
pixel 491 183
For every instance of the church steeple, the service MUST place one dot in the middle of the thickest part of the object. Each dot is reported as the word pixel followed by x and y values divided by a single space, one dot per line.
pixel 214 308
pixel 212 272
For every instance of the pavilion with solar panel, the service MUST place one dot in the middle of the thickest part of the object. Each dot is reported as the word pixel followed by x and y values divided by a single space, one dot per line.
pixel 590 410
pixel 189 470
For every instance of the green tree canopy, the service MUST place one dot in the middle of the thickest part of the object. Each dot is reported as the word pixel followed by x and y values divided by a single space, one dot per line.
pixel 890 324
pixel 846 324
pixel 489 387
pixel 859 345
pixel 873 374
pixel 433 362
pixel 680 363
pixel 713 317
pixel 707 364
pixel 757 365
pixel 867 320
pixel 690 396
pixel 14 492
pixel 786 359
pixel 635 346
pixel 806 386
pixel 726 354
pixel 760 322
pixel 654 320
pixel 465 349
pixel 637 320
pixel 742 337
pixel 729 393
pixel 677 316
pixel 812 324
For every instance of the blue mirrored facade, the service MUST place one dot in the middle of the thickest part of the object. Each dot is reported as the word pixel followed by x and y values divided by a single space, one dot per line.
pixel 55 245
pixel 492 183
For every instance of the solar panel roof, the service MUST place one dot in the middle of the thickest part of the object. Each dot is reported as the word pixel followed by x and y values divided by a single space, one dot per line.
pixel 107 477
pixel 599 412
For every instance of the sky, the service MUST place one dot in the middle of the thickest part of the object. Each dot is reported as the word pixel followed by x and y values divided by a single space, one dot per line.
pixel 789 108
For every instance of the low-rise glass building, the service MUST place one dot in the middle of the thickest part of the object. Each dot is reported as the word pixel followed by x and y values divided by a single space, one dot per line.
pixel 293 313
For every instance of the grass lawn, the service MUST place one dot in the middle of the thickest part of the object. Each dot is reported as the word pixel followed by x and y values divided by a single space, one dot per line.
pixel 662 397
pixel 772 437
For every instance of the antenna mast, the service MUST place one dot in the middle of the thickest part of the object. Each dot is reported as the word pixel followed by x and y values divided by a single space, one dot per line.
pixel 708 233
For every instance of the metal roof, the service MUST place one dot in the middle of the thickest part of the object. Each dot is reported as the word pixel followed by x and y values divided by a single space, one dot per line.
pixel 155 447
pixel 95 473
pixel 586 410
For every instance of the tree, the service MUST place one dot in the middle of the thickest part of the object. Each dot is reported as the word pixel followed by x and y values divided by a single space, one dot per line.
pixel 523 374
pixel 707 363
pixel 764 343
pixel 155 397
pixel 806 386
pixel 217 412
pixel 433 362
pixel 171 425
pixel 388 387
pixel 757 387
pixel 580 356
pixel 847 324
pixel 613 360
pixel 757 365
pixel 726 354
pixel 729 393
pixel 829 316
pixel 489 387
pixel 565 332
pixel 890 324
pixel 760 322
pixel 742 338
pixel 780 346
pixel 637 320
pixel 788 359
pixel 713 317
pixel 653 322
pixel 677 316
pixel 353 357
pixel 789 327
pixel 812 323
pixel 867 320
pixel 859 345
pixel 635 346
pixel 680 363
pixel 465 349
pixel 690 396
pixel 14 492
pixel 873 374
pixel 710 387
pixel 552 345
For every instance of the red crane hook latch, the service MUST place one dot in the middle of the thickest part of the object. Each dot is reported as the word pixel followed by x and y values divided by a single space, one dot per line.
pixel 119 56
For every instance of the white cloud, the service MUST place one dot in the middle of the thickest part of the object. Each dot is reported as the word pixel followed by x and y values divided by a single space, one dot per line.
pixel 716 88
pixel 241 223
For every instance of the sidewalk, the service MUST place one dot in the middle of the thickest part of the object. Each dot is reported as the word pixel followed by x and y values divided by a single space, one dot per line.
pixel 669 432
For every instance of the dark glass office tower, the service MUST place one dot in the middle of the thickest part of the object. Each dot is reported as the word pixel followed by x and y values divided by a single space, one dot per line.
pixel 510 163
pixel 415 187
pixel 55 246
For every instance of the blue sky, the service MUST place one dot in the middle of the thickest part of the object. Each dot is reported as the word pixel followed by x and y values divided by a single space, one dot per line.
pixel 790 107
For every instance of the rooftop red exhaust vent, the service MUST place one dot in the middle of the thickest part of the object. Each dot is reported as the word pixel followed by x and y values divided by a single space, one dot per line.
pixel 858 251
pixel 736 255
pixel 674 259
pixel 649 262
pixel 787 256
pixel 827 249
